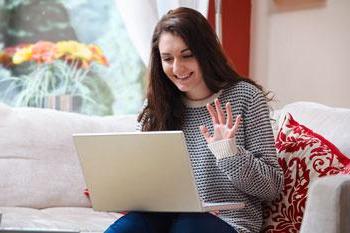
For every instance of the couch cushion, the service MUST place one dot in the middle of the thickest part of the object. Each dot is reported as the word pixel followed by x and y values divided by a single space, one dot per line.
pixel 64 218
pixel 332 123
pixel 39 167
pixel 304 156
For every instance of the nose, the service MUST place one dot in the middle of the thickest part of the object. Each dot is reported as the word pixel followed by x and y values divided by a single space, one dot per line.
pixel 178 67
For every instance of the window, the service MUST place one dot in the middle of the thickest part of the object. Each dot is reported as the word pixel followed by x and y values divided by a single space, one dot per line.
pixel 97 89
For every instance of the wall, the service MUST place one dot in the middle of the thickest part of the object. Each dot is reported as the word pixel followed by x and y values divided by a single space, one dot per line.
pixel 236 16
pixel 301 51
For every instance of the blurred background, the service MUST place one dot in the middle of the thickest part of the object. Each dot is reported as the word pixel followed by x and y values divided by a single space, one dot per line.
pixel 116 88
pixel 91 56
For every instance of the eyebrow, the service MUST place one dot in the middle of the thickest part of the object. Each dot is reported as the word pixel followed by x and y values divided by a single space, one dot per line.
pixel 182 51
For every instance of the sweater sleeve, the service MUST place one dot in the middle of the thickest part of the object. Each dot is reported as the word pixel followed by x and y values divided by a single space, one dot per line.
pixel 140 123
pixel 254 168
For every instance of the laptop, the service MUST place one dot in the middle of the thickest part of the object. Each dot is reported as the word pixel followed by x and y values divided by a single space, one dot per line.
pixel 141 171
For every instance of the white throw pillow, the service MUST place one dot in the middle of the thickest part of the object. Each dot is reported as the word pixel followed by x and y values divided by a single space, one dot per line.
pixel 332 123
pixel 39 166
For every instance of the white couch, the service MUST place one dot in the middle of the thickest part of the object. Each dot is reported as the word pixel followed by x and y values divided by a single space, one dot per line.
pixel 41 183
pixel 42 187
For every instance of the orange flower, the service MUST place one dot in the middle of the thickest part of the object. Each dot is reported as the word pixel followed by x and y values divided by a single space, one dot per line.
pixel 97 54
pixel 44 52
pixel 6 56
pixel 73 50
pixel 5 59
pixel 22 55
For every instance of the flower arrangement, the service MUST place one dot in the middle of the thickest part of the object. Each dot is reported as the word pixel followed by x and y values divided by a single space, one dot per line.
pixel 50 69
pixel 48 52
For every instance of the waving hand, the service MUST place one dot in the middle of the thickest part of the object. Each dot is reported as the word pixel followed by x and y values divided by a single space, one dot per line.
pixel 223 126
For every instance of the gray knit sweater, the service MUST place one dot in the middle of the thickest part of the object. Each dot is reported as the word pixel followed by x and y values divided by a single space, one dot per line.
pixel 244 169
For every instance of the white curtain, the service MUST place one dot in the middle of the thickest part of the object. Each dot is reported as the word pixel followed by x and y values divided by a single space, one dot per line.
pixel 141 16
pixel 199 5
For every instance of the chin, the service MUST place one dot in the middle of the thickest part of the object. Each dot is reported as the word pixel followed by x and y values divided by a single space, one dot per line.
pixel 183 89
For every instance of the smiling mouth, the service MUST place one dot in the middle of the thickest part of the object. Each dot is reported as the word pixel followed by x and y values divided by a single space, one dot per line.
pixel 185 77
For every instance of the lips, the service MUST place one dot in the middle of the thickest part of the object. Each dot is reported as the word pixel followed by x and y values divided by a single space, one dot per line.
pixel 183 77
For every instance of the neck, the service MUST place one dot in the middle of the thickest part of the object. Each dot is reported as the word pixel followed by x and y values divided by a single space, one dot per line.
pixel 199 95
pixel 199 98
pixel 196 103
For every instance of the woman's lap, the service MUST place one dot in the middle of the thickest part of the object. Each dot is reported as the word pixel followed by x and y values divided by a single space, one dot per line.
pixel 200 222
pixel 144 222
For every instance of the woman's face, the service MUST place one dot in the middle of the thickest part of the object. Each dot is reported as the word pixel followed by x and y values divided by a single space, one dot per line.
pixel 181 67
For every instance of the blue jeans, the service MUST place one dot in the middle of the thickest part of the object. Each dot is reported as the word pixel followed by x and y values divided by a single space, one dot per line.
pixel 150 222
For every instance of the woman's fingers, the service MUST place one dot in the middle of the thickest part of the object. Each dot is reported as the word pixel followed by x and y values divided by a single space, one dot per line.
pixel 229 115
pixel 220 113
pixel 223 126
pixel 235 127
pixel 205 132
pixel 213 114
pixel 215 212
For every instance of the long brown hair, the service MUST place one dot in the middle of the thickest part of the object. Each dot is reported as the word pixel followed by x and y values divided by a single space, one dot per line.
pixel 164 109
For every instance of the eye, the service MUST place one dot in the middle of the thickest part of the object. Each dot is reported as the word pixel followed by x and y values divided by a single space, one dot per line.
pixel 187 55
pixel 167 59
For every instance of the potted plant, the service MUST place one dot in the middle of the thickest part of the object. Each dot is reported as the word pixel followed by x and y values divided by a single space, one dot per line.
pixel 48 73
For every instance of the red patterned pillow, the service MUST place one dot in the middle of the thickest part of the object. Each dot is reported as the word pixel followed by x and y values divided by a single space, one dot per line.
pixel 346 170
pixel 304 156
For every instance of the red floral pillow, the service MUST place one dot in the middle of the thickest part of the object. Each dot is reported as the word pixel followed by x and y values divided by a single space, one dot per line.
pixel 346 170
pixel 304 156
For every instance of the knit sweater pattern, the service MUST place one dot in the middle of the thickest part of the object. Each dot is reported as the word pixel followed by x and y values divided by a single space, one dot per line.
pixel 251 175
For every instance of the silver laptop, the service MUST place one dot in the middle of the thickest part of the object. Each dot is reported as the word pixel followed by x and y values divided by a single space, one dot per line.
pixel 141 171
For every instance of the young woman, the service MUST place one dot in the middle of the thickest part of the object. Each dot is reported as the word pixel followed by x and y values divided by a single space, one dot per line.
pixel 226 123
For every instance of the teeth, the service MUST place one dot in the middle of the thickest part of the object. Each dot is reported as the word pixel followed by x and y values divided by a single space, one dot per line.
pixel 184 77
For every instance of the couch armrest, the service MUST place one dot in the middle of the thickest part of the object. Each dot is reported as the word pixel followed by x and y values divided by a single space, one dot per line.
pixel 328 206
